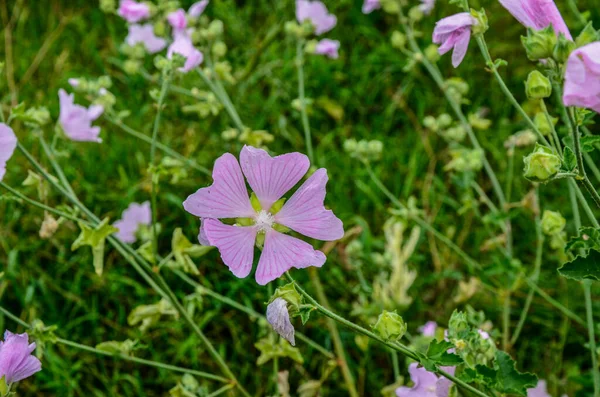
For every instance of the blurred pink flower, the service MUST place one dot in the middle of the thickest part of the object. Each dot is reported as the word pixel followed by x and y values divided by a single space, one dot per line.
pixel 197 8
pixel 429 328
pixel 537 14
pixel 133 217
pixel 483 334
pixel 426 384
pixel 76 120
pixel 582 78
pixel 182 45
pixel 454 32
pixel 133 11
pixel 539 390
pixel 328 48
pixel 16 361
pixel 316 12
pixel 427 6
pixel 270 178
pixel 370 5
pixel 279 318
pixel 177 19
pixel 8 143
pixel 144 34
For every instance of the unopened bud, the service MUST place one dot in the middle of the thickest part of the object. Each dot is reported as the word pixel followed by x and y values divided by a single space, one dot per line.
pixel 552 222
pixel 390 326
pixel 538 86
pixel 563 49
pixel 539 44
pixel 542 164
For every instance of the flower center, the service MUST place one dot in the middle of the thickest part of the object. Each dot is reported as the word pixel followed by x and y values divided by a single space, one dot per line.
pixel 264 220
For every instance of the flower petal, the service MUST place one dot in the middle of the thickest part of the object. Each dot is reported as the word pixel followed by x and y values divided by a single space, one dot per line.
pixel 461 47
pixel 305 213
pixel 271 177
pixel 8 143
pixel 235 243
pixel 227 197
pixel 279 318
pixel 282 252
pixel 16 361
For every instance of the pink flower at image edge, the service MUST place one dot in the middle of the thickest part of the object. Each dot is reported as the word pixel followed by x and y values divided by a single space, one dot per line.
pixel 370 5
pixel 316 12
pixel 8 144
pixel 133 11
pixel 582 78
pixel 454 32
pixel 270 178
pixel 537 14
pixel 426 384
pixel 16 360
pixel 76 120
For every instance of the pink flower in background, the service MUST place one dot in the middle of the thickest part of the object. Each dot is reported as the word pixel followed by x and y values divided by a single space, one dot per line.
pixel 454 32
pixel 539 390
pixel 316 12
pixel 144 34
pixel 582 78
pixel 427 6
pixel 73 82
pixel 370 5
pixel 133 217
pixel 537 14
pixel 8 143
pixel 426 384
pixel 197 8
pixel 182 45
pixel 177 19
pixel 429 328
pixel 133 11
pixel 16 361
pixel 328 48
pixel 270 178
pixel 483 334
pixel 76 120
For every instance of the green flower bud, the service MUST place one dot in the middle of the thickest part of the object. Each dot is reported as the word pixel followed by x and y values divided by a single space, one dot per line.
pixel 552 222
pixel 587 36
pixel 132 67
pixel 464 159
pixel 215 29
pixel 398 40
pixel 310 46
pixel 160 28
pixel 542 164
pixel 563 49
pixel 431 53
pixel 542 124
pixel 108 6
pixel 457 133
pixel 539 44
pixel 390 326
pixel 350 146
pixel 444 120
pixel 374 149
pixel 482 21
pixel 390 6
pixel 219 49
pixel 291 28
pixel 230 134
pixel 538 86
pixel 458 323
pixel 415 14
pixel 430 123
pixel 479 122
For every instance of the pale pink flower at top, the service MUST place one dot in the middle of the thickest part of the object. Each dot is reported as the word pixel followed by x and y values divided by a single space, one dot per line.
pixel 133 11
pixel 316 12
pixel 428 329
pixel 133 217
pixel 426 384
pixel 270 178
pixel 454 32
pixel 182 45
pixel 539 390
pixel 328 47
pixel 370 5
pixel 279 318
pixel 16 360
pixel 73 82
pixel 483 334
pixel 177 19
pixel 582 78
pixel 144 34
pixel 197 8
pixel 76 120
pixel 8 143
pixel 427 6
pixel 537 14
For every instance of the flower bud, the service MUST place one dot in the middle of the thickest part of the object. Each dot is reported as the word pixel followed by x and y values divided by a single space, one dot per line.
pixel 430 123
pixel 458 323
pixel 108 6
pixel 415 14
pixel 563 49
pixel 390 326
pixel 587 36
pixel 456 134
pixel 552 223
pixel 219 49
pixel 390 6
pixel 398 40
pixel 279 318
pixel 542 124
pixel 350 146
pixel 538 86
pixel 539 44
pixel 542 164
pixel 482 21
pixel 444 120
pixel 311 46
pixel 431 53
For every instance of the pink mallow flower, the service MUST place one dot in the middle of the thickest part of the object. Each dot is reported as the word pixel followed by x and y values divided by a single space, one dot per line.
pixel 537 14
pixel 144 34
pixel 182 45
pixel 133 217
pixel 454 32
pixel 16 361
pixel 426 384
pixel 177 19
pixel 316 12
pixel 76 120
pixel 370 5
pixel 328 47
pixel 197 8
pixel 133 11
pixel 582 78
pixel 428 329
pixel 427 6
pixel 538 391
pixel 8 143
pixel 270 178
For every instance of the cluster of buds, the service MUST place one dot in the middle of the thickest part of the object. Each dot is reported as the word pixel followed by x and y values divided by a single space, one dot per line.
pixel 364 150
pixel 473 345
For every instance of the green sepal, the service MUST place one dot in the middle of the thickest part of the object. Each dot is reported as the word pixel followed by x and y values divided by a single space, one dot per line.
pixel 569 159
pixel 291 295
pixel 95 238
pixel 124 348
pixel 183 251
pixel 270 350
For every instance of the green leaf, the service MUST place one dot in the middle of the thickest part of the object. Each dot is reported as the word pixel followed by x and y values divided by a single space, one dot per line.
pixel 500 62
pixel 508 379
pixel 270 350
pixel 305 313
pixel 480 374
pixel 95 238
pixel 582 267
pixel 588 238
pixel 569 159
pixel 437 355
pixel 588 142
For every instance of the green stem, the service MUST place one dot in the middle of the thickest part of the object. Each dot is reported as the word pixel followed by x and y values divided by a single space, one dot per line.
pixel 552 128
pixel 220 391
pixel 154 174
pixel 302 97
pixel 555 303
pixel 587 290
pixel 229 108
pixel 506 319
